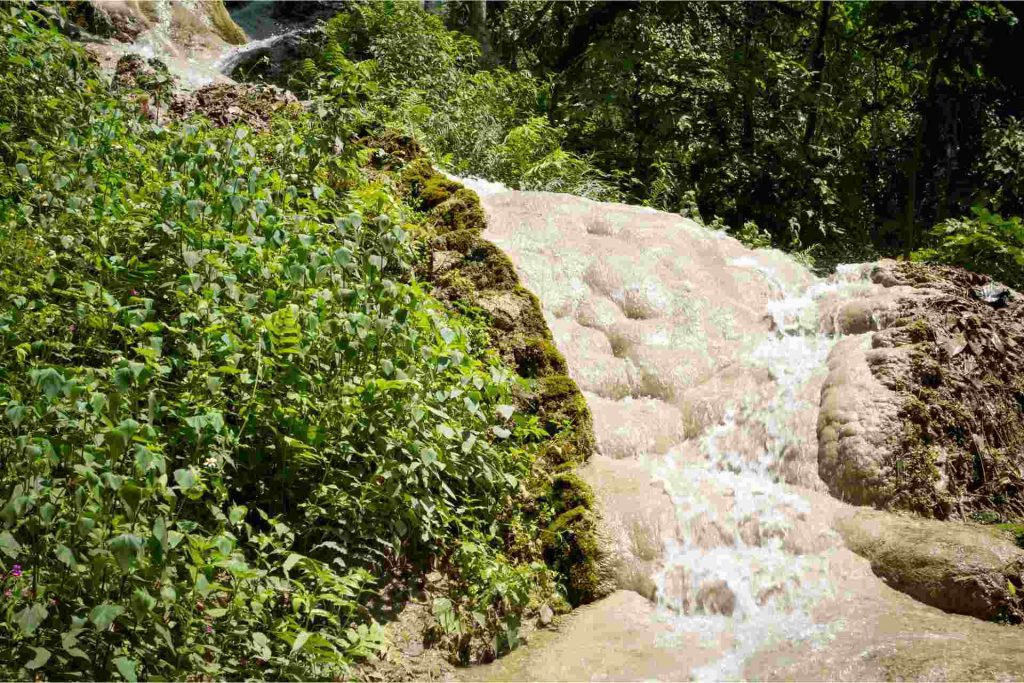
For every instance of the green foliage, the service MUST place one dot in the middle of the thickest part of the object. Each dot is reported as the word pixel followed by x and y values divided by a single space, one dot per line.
pixel 985 243
pixel 753 237
pixel 836 128
pixel 229 409
pixel 427 80
pixel 1003 165
pixel 45 83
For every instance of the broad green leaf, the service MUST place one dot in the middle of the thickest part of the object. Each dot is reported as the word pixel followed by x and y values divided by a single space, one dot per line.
pixel 126 667
pixel 186 478
pixel 237 514
pixel 30 617
pixel 126 549
pixel 65 555
pixel 444 612
pixel 291 561
pixel 42 657
pixel 300 640
pixel 9 545
pixel 142 602
pixel 102 616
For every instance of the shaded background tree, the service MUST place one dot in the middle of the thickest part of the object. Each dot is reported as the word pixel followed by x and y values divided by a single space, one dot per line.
pixel 845 130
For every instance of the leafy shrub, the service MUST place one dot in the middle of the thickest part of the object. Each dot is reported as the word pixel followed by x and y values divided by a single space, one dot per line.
pixel 985 243
pixel 531 158
pixel 1003 165
pixel 427 80
pixel 229 410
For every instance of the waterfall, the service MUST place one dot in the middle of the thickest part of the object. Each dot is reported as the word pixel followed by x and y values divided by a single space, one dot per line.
pixel 703 363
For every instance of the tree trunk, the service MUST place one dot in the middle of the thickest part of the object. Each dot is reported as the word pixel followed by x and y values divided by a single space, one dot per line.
pixel 910 208
pixel 817 67
pixel 478 26
pixel 747 113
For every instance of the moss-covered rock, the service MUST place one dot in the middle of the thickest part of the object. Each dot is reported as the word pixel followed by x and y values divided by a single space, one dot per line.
pixel 571 548
pixel 569 491
pixel 426 186
pixel 224 25
pixel 963 568
pixel 415 176
pixel 468 272
pixel 460 211
pixel 484 264
pixel 563 412
pixel 436 190
pixel 391 149
pixel 537 357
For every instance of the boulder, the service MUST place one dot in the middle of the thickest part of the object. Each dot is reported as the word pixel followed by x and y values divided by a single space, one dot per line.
pixel 968 569
pixel 923 406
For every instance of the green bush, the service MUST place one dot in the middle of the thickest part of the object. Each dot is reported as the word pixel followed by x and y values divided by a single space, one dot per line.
pixel 985 243
pixel 229 410
pixel 1003 165
pixel 427 80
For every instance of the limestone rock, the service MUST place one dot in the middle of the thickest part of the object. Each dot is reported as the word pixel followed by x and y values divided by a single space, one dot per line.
pixel 923 407
pixel 963 568
pixel 857 418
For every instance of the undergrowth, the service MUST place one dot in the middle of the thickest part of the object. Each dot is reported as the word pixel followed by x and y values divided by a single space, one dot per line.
pixel 230 412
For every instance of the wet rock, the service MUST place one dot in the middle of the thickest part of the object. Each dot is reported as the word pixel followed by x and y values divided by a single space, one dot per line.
pixel 995 295
pixel 273 60
pixel 856 422
pixel 637 517
pixel 715 597
pixel 545 615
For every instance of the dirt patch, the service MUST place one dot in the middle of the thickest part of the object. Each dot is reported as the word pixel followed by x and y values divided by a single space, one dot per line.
pixel 225 104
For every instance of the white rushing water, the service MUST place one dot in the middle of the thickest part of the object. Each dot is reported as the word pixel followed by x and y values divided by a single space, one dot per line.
pixel 765 589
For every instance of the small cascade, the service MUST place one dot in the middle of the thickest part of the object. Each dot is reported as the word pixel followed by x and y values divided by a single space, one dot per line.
pixel 192 58
pixel 703 363
pixel 252 50
pixel 732 571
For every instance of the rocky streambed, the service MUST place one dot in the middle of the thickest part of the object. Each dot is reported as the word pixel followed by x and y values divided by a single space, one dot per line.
pixel 741 407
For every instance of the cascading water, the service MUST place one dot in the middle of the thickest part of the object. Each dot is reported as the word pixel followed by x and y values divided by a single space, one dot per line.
pixel 753 587
pixel 230 60
pixel 193 65
pixel 728 569
pixel 703 363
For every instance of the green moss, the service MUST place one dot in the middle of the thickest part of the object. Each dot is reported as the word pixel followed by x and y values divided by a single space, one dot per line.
pixel 1016 530
pixel 454 287
pixel 484 278
pixel 531 323
pixel 461 241
pixel 564 414
pixel 571 548
pixel 222 23
pixel 568 492
pixel 437 190
pixel 415 176
pixel 460 211
pixel 919 331
pixel 537 357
